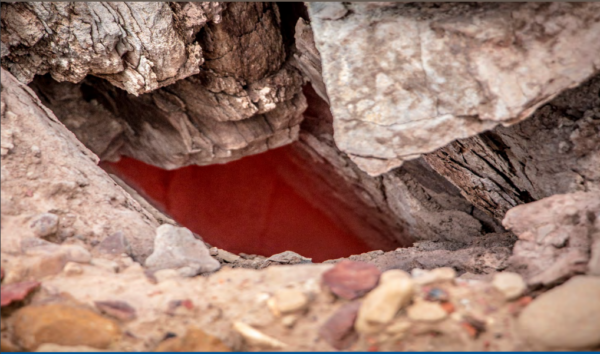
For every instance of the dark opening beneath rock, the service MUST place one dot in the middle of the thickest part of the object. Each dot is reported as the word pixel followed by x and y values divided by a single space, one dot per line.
pixel 262 204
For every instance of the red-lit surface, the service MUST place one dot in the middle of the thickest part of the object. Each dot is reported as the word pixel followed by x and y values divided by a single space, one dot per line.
pixel 249 205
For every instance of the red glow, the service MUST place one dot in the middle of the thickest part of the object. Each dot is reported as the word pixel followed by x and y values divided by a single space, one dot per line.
pixel 249 205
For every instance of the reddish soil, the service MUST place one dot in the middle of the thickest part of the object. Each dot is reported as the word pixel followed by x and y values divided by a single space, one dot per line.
pixel 252 205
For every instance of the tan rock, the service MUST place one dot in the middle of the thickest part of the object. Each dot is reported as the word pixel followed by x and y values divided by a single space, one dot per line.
pixel 195 340
pixel 382 303
pixel 290 300
pixel 64 325
pixel 510 284
pixel 564 318
pixel 426 311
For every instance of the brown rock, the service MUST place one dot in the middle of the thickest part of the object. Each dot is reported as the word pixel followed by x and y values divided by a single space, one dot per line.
pixel 350 280
pixel 64 325
pixel 338 331
pixel 17 291
pixel 195 340
pixel 117 309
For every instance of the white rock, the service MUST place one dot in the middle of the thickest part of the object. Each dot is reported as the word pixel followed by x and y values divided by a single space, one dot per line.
pixel 382 303
pixel 257 338
pixel 510 284
pixel 176 247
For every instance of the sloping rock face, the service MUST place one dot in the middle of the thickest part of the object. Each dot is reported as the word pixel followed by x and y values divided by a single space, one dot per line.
pixel 407 79
pixel 245 100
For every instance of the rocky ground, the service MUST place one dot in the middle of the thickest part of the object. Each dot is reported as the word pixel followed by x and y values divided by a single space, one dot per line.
pixel 504 226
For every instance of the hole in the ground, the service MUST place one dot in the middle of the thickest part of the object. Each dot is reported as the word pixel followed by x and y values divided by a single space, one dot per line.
pixel 262 204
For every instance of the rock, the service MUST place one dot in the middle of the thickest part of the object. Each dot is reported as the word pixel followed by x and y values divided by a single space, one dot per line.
pixel 72 268
pixel 564 318
pixel 45 224
pixel 290 300
pixel 195 340
pixel 226 256
pixel 254 337
pixel 176 247
pixel 17 291
pixel 426 311
pixel 381 305
pixel 288 257
pixel 117 309
pixel 51 348
pixel 64 325
pixel 510 284
pixel 338 331
pixel 350 280
pixel 423 277
pixel 115 244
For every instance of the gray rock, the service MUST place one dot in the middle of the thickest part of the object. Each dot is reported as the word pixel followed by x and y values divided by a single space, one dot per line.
pixel 176 247
pixel 114 244
pixel 564 318
pixel 45 224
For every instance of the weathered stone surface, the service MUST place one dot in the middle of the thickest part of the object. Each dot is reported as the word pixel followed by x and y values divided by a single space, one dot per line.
pixel 136 46
pixel 554 151
pixel 245 100
pixel 381 305
pixel 177 248
pixel 91 205
pixel 350 280
pixel 556 235
pixel 195 340
pixel 338 331
pixel 406 79
pixel 566 317
pixel 62 324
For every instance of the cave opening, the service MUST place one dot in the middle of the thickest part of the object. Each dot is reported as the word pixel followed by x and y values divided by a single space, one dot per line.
pixel 261 204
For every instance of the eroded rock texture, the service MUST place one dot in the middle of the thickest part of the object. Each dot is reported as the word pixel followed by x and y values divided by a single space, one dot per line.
pixel 136 46
pixel 406 79
pixel 555 151
pixel 245 100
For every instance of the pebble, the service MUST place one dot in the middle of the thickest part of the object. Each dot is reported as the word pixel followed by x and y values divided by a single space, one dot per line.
pixel 426 311
pixel 338 331
pixel 566 317
pixel 254 337
pixel 350 279
pixel 423 277
pixel 290 300
pixel 381 305
pixel 64 325
pixel 17 291
pixel 72 269
pixel 288 257
pixel 176 247
pixel 227 256
pixel 115 244
pixel 195 340
pixel 117 309
pixel 44 225
pixel 510 284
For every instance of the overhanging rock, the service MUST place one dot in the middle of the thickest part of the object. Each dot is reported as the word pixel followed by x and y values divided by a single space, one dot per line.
pixel 407 79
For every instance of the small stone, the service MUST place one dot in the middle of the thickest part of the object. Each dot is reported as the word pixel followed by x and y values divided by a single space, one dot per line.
pixel 338 331
pixel 437 294
pixel 227 256
pixel 117 309
pixel 288 257
pixel 16 292
pixel 564 318
pixel 72 269
pixel 381 305
pixel 289 320
pixel 510 284
pixel 351 280
pixel 195 340
pixel 176 247
pixel 426 311
pixel 54 348
pixel 423 277
pixel 256 338
pixel 290 300
pixel 115 244
pixel 62 324
pixel 107 264
pixel 44 225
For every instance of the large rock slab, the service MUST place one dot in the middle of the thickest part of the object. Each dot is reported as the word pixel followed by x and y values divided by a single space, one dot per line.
pixel 406 79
